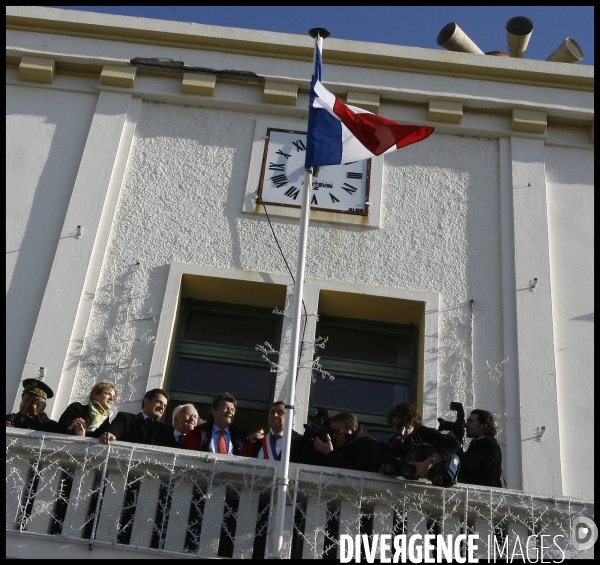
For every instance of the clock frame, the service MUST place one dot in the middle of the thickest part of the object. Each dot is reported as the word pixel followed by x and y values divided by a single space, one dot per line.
pixel 252 206
pixel 337 188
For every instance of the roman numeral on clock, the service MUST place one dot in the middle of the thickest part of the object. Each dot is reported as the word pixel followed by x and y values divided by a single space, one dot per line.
pixel 292 192
pixel 314 200
pixel 349 188
pixel 279 180
pixel 354 175
pixel 333 198
pixel 277 166
pixel 286 155
pixel 299 145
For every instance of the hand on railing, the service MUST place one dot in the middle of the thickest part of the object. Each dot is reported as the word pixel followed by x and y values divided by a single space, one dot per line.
pixel 106 437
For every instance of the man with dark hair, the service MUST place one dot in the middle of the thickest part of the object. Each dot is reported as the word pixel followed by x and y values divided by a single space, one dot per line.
pixel 143 427
pixel 31 413
pixel 481 464
pixel 268 446
pixel 346 447
pixel 408 425
pixel 218 435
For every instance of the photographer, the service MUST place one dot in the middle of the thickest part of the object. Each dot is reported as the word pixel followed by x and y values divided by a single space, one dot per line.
pixel 406 415
pixel 481 464
pixel 346 447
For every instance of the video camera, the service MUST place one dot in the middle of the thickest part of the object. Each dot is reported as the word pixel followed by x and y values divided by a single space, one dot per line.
pixel 456 428
pixel 312 430
pixel 399 452
pixel 394 452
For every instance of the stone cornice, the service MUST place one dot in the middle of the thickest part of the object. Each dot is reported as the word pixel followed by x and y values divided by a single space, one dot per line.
pixel 296 47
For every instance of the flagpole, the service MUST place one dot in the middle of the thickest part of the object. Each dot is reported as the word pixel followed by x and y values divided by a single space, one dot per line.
pixel 283 480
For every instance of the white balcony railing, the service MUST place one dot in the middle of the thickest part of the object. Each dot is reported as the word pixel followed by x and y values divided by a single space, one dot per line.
pixel 67 492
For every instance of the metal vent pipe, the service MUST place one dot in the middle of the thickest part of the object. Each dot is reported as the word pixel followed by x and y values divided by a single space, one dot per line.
pixel 455 39
pixel 568 51
pixel 518 32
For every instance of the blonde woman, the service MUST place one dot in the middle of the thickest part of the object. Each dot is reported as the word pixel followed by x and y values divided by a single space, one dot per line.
pixel 85 419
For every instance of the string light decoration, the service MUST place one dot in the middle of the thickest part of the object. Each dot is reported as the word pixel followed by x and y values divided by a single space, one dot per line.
pixel 314 366
pixel 457 368
pixel 212 505
pixel 108 355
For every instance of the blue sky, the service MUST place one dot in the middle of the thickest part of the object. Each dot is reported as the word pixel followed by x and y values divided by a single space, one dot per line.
pixel 413 26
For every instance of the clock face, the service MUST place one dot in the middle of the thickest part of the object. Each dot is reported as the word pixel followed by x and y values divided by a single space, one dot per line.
pixel 338 188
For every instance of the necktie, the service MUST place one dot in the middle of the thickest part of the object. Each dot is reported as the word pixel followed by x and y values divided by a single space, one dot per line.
pixel 274 439
pixel 222 444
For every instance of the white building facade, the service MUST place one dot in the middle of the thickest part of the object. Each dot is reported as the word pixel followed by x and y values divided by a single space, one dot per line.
pixel 135 150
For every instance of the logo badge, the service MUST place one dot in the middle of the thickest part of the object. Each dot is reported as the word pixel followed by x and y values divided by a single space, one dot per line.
pixel 584 533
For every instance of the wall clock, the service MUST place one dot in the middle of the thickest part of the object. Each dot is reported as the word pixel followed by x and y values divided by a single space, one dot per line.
pixel 338 188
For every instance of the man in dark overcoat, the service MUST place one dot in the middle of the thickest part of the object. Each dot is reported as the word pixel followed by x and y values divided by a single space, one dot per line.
pixel 481 463
pixel 143 427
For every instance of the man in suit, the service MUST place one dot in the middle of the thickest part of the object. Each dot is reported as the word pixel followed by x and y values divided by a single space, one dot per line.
pixel 218 435
pixel 143 427
pixel 185 419
pixel 269 446
pixel 481 464
pixel 31 413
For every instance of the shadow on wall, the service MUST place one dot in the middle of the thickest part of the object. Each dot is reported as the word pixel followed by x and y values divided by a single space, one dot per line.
pixel 35 243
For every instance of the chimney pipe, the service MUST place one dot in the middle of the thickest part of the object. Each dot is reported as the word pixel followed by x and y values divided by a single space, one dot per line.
pixel 568 51
pixel 518 32
pixel 455 39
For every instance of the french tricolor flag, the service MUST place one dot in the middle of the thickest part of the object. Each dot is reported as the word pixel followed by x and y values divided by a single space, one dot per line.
pixel 339 133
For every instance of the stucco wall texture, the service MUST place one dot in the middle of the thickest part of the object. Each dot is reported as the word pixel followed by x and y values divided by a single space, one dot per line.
pixel 182 200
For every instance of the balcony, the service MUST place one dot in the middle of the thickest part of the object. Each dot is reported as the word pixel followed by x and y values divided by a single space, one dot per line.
pixel 66 496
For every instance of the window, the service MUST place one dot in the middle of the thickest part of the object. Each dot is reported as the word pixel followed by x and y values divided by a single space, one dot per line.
pixel 374 366
pixel 218 316
pixel 215 351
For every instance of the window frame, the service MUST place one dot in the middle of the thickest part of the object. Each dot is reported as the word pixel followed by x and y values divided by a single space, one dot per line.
pixel 375 371
pixel 220 353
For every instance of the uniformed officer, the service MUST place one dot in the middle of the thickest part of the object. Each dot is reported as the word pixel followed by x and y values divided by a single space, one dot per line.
pixel 31 413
